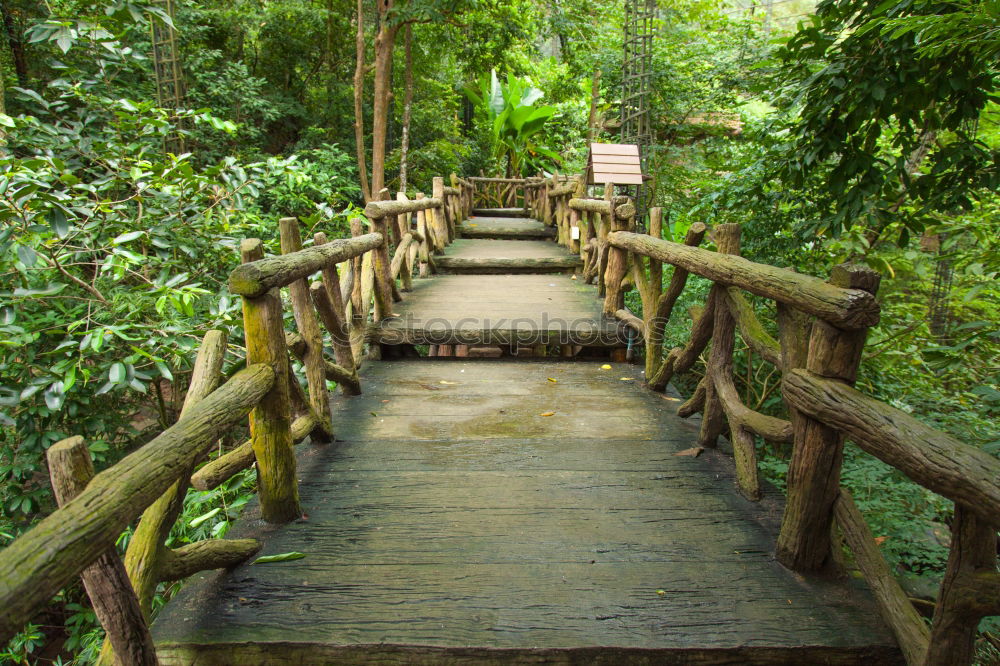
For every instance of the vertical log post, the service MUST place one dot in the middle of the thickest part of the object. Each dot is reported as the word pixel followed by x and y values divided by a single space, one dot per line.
pixel 654 342
pixel 617 264
pixel 308 325
pixel 340 336
pixel 818 450
pixel 426 243
pixel 957 615
pixel 602 242
pixel 437 215
pixel 357 227
pixel 105 580
pixel 146 548
pixel 270 420
pixel 381 264
pixel 713 421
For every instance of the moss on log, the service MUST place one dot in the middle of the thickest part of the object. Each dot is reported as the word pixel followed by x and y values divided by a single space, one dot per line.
pixel 258 277
pixel 58 548
pixel 376 210
pixel 844 308
pixel 206 555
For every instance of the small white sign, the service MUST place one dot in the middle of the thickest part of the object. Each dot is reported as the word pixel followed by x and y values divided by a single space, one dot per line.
pixel 574 233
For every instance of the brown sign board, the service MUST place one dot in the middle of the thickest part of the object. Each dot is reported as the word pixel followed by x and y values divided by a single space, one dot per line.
pixel 616 163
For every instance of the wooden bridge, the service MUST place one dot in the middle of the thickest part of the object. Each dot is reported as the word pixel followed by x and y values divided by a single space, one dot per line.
pixel 494 483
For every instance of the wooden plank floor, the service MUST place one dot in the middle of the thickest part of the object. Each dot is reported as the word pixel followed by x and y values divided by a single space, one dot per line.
pixel 505 228
pixel 454 522
pixel 501 309
pixel 482 255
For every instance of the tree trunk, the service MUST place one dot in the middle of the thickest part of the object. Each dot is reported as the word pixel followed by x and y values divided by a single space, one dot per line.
pixel 384 43
pixel 16 45
pixel 407 109
pixel 359 120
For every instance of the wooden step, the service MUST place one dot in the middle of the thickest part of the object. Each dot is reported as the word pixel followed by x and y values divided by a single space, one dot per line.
pixel 509 228
pixel 500 212
pixel 474 255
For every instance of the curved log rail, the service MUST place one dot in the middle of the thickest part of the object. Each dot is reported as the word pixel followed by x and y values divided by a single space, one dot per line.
pixel 822 327
pixel 150 484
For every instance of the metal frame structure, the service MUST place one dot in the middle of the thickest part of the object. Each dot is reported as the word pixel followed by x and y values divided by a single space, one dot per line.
pixel 170 89
pixel 637 69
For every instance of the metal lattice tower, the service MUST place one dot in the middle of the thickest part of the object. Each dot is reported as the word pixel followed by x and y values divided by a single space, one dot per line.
pixel 636 72
pixel 170 90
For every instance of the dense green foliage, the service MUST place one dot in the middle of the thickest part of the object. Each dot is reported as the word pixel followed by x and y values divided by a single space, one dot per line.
pixel 866 132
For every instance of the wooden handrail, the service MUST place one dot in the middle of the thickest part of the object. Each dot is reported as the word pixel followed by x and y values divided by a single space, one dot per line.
pixel 256 278
pixel 53 552
pixel 376 210
pixel 845 308
pixel 931 458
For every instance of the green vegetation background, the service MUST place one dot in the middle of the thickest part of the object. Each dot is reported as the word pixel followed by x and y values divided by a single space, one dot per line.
pixel 114 253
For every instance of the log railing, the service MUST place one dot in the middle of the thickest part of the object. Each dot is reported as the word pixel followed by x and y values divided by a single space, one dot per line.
pixel 822 327
pixel 79 537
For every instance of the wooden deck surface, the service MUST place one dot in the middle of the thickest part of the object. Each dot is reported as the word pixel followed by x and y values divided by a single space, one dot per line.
pixel 480 512
pixel 501 309
pixel 505 228
pixel 482 255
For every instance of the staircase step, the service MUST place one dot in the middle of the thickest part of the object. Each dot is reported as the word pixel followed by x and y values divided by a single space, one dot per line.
pixel 509 264
pixel 500 212
pixel 505 228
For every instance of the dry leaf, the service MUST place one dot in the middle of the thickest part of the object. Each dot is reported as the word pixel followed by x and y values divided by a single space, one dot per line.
pixel 552 380
pixel 671 398
pixel 605 367
pixel 661 592
pixel 628 379
pixel 547 414
pixel 429 387
pixel 880 540
pixel 694 452
pixel 446 382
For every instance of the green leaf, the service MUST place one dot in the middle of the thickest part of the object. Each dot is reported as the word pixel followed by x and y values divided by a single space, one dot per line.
pixel 164 371
pixel 57 220
pixel 55 396
pixel 195 522
pixel 130 236
pixel 27 255
pixel 117 373
pixel 51 289
pixel 283 557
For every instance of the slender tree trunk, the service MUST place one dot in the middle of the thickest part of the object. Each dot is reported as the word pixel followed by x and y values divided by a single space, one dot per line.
pixel 407 109
pixel 16 45
pixel 595 96
pixel 384 42
pixel 359 120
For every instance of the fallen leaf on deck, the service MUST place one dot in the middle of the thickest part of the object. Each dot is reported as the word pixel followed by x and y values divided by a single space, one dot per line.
pixel 446 382
pixel 627 379
pixel 671 398
pixel 661 592
pixel 283 557
pixel 373 413
pixel 552 380
pixel 694 452
pixel 547 414
pixel 429 387
pixel 605 367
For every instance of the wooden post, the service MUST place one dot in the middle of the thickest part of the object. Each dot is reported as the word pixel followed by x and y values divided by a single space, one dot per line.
pixel 617 262
pixel 357 227
pixel 105 580
pixel 340 335
pixel 381 263
pixel 270 420
pixel 305 320
pixel 971 572
pixel 437 215
pixel 427 244
pixel 713 419
pixel 146 548
pixel 654 341
pixel 817 454
pixel 602 242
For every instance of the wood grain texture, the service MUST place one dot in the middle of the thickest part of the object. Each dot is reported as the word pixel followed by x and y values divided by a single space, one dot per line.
pixel 498 212
pixel 455 524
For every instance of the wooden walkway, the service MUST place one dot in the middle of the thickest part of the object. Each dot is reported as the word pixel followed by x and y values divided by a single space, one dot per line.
pixel 497 511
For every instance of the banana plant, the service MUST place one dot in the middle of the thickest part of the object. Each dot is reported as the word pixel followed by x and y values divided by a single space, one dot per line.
pixel 516 123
